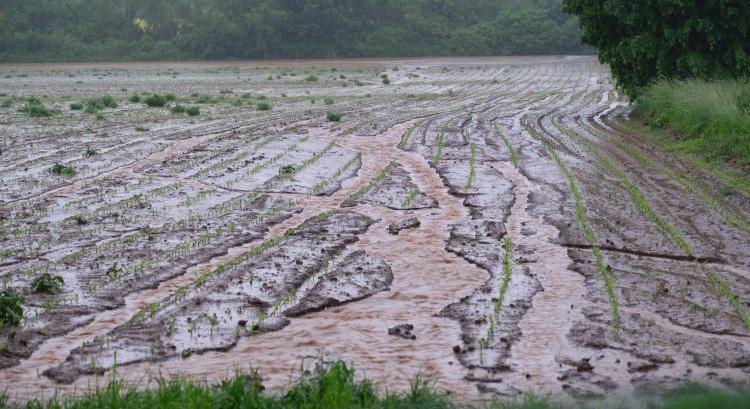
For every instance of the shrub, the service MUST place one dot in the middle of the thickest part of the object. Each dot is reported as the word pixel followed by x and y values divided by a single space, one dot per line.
pixel 170 97
pixel 286 170
pixel 263 106
pixel 11 312
pixel 47 283
pixel 76 106
pixel 333 116
pixel 135 98
pixel 155 101
pixel 328 101
pixel 193 111
pixel 386 81
pixel 178 109
pixel 35 109
pixel 141 129
pixel 311 78
pixel 90 152
pixel 63 170
pixel 97 104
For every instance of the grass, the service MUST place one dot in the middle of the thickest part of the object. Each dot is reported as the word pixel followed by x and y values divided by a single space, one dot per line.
pixel 710 120
pixel 332 386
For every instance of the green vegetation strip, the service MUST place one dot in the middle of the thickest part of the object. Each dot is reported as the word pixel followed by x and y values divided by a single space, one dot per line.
pixel 407 136
pixel 507 270
pixel 588 233
pixel 371 184
pixel 440 143
pixel 511 149
pixel 334 387
pixel 667 229
pixel 472 171
pixel 692 185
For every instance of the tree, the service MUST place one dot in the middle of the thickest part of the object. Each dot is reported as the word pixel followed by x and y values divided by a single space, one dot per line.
pixel 644 40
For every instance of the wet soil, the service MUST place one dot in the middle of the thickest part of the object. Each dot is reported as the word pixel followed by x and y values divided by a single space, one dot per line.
pixel 485 222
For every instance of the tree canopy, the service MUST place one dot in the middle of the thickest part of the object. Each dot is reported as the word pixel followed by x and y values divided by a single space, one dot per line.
pixel 64 30
pixel 645 40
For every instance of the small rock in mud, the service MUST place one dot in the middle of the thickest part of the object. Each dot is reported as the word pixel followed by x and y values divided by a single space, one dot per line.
pixel 403 331
pixel 396 227
pixel 527 231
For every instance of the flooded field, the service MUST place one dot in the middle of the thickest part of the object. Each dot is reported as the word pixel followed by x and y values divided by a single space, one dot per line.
pixel 486 222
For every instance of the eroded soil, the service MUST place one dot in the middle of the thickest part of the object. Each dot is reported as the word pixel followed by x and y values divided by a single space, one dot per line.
pixel 482 221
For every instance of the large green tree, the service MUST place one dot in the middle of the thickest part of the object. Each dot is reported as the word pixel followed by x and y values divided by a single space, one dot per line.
pixel 644 40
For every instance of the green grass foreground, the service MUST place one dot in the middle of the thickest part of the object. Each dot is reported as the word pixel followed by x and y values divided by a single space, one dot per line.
pixel 334 388
pixel 708 119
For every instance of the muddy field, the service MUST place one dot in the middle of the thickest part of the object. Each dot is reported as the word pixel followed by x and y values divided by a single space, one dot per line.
pixel 486 222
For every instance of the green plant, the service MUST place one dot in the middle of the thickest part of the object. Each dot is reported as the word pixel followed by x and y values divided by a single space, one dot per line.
pixel 47 283
pixel 333 116
pixel 76 106
pixel 178 109
pixel 511 149
pixel 140 128
pixel 155 101
pixel 263 106
pixel 94 105
pixel 63 170
pixel 311 78
pixel 11 312
pixel 328 100
pixel 135 98
pixel 440 143
pixel 287 170
pixel 472 171
pixel 193 111
pixel 90 151
pixel 35 109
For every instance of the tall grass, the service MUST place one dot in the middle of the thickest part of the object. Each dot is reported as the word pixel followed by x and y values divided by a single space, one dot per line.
pixel 332 388
pixel 710 119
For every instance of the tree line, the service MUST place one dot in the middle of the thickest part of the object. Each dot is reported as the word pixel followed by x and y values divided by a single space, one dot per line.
pixel 78 30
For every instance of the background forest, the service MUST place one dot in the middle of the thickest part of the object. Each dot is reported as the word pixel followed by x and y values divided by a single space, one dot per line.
pixel 77 30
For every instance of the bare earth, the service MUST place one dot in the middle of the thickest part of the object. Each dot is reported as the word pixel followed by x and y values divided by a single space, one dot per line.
pixel 494 204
